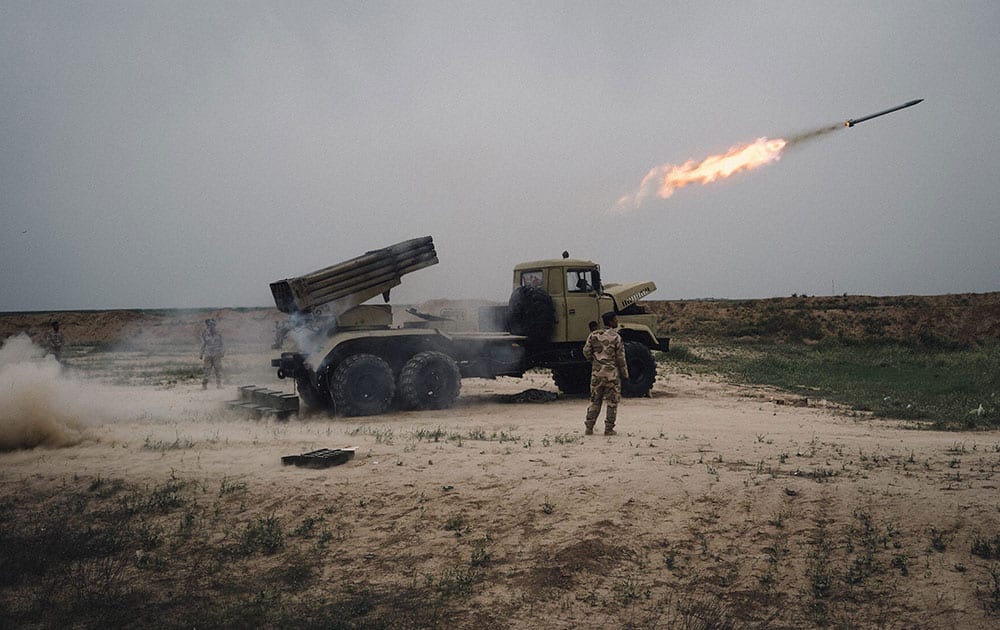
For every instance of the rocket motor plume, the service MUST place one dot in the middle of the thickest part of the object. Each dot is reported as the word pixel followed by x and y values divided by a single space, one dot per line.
pixel 661 181
pixel 664 179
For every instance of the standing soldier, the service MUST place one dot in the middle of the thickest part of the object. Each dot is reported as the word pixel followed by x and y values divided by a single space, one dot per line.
pixel 212 352
pixel 54 341
pixel 607 352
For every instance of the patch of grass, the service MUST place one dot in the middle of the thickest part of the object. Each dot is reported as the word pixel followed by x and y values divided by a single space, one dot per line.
pixel 458 524
pixel 479 434
pixel 262 534
pixel 628 590
pixel 166 496
pixel 948 387
pixel 454 581
pixel 481 556
pixel 990 597
pixel 96 552
pixel 679 353
pixel 431 436
pixel 162 446
pixel 382 435
pixel 226 487
pixel 308 527
pixel 984 547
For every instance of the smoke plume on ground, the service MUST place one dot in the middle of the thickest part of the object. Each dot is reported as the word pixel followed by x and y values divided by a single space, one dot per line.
pixel 40 405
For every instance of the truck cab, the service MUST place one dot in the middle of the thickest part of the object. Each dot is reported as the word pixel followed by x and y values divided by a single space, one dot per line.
pixel 579 297
pixel 575 288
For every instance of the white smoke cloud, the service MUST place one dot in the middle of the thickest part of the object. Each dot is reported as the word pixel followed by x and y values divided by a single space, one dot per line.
pixel 39 406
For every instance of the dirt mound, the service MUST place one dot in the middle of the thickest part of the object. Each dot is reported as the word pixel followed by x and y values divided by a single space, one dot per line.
pixel 960 319
pixel 142 328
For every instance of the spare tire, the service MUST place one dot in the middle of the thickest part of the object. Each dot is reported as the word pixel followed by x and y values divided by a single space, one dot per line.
pixel 531 313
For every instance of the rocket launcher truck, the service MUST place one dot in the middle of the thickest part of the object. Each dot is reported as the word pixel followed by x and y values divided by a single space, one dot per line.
pixel 352 360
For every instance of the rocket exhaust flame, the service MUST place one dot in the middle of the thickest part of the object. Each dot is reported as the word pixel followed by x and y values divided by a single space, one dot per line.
pixel 661 181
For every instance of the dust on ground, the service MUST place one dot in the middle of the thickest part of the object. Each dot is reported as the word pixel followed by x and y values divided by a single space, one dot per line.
pixel 742 503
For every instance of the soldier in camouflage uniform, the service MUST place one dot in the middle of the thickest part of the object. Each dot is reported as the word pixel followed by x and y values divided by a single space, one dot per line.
pixel 212 351
pixel 54 342
pixel 606 350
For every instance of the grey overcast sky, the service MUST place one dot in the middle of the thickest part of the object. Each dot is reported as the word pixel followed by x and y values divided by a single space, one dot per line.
pixel 186 154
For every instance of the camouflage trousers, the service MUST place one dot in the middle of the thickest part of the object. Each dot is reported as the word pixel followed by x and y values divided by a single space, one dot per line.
pixel 603 390
pixel 211 364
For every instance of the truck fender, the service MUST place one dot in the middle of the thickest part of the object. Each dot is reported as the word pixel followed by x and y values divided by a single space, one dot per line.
pixel 639 333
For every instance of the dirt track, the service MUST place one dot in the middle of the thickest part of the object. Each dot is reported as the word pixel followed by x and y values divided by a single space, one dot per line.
pixel 739 503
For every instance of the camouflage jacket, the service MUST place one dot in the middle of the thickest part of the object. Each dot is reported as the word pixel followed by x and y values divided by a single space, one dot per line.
pixel 607 351
pixel 211 344
pixel 54 341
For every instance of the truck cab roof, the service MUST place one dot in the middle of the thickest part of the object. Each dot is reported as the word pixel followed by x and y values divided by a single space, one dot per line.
pixel 555 262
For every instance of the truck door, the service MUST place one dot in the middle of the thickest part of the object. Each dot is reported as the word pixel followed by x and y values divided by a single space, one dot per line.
pixel 582 304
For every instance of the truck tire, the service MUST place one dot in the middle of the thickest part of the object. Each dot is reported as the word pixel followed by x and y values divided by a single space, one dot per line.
pixel 641 370
pixel 362 385
pixel 312 397
pixel 531 313
pixel 430 380
pixel 572 379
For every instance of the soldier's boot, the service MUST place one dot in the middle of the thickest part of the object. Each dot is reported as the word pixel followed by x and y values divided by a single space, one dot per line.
pixel 609 422
pixel 204 384
pixel 589 424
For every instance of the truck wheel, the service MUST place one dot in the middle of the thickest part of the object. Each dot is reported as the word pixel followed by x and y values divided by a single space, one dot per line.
pixel 362 385
pixel 531 313
pixel 572 379
pixel 312 397
pixel 430 380
pixel 641 370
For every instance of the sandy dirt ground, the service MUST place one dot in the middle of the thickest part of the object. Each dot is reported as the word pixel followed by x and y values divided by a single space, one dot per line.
pixel 734 501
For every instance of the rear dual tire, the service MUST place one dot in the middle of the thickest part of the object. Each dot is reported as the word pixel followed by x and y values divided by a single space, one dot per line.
pixel 362 385
pixel 429 380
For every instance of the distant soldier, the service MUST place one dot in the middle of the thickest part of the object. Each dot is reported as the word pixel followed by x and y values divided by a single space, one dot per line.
pixel 54 342
pixel 606 350
pixel 212 351
pixel 279 336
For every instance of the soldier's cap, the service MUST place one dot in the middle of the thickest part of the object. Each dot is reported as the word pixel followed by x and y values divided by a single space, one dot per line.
pixel 607 317
pixel 210 322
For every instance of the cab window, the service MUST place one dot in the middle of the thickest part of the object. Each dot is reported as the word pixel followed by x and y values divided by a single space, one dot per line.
pixel 579 280
pixel 531 278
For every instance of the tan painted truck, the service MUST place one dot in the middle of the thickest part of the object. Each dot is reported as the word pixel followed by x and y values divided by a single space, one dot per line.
pixel 352 360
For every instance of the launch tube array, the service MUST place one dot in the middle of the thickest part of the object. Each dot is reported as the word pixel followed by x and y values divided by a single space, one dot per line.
pixel 334 289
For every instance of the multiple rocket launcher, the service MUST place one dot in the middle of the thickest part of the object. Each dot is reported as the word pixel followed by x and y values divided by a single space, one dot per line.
pixel 335 290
